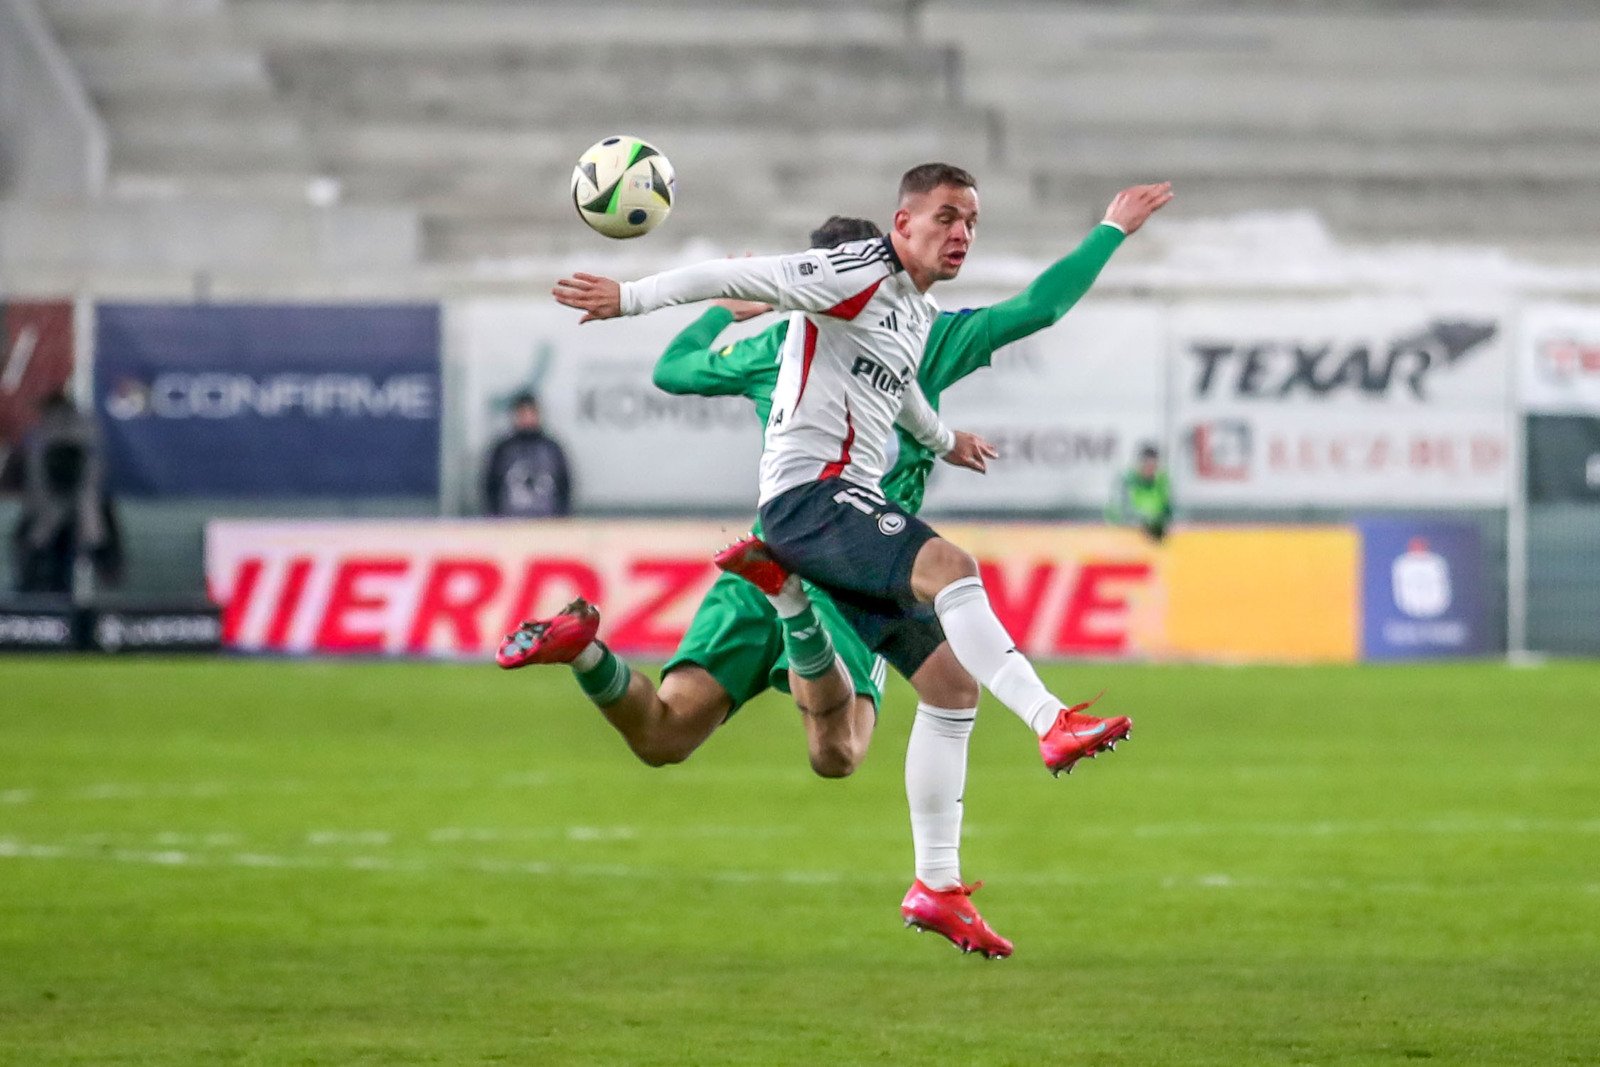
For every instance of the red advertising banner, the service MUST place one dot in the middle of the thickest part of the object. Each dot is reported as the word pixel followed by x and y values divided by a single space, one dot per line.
pixel 454 588
pixel 35 361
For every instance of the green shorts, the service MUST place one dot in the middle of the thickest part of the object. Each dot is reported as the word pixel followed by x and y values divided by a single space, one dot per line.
pixel 736 636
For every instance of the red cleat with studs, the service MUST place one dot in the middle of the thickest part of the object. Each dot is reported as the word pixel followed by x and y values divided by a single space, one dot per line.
pixel 557 639
pixel 949 912
pixel 1075 735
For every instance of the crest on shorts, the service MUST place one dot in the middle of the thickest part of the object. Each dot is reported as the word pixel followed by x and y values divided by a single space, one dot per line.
pixel 891 524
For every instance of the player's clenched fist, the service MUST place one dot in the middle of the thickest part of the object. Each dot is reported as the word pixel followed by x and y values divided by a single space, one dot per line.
pixel 1137 203
pixel 597 297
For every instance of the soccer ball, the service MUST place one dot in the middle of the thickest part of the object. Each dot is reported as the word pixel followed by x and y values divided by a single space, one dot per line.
pixel 623 187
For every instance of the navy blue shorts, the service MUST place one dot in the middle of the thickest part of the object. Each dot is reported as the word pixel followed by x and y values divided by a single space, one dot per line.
pixel 861 548
pixel 906 641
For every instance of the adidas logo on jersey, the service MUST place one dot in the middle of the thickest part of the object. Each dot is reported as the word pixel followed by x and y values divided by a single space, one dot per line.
pixel 890 321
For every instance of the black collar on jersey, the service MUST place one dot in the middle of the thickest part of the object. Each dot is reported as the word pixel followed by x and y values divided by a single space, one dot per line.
pixel 894 257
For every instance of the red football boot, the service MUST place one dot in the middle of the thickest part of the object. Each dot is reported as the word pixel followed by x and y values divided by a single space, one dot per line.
pixel 751 560
pixel 950 912
pixel 557 639
pixel 1075 735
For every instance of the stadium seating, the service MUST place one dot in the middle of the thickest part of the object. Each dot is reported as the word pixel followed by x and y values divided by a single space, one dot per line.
pixel 208 170
pixel 1391 120
pixel 319 137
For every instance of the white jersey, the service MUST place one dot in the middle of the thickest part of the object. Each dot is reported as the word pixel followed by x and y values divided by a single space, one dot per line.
pixel 849 370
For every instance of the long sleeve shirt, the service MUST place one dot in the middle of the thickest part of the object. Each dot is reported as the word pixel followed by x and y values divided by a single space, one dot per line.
pixel 959 343
pixel 847 372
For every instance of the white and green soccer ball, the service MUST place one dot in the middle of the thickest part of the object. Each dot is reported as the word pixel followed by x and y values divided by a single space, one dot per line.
pixel 623 187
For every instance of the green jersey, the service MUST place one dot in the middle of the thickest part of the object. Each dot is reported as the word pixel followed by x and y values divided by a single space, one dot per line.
pixel 1145 500
pixel 959 343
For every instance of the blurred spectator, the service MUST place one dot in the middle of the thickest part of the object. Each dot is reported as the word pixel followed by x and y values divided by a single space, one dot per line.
pixel 527 474
pixel 1142 496
pixel 66 513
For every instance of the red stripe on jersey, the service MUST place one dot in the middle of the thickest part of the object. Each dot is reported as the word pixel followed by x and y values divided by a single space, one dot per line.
pixel 805 362
pixel 850 307
pixel 836 468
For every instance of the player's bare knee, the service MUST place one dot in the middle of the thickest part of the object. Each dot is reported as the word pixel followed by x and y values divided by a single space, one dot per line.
pixel 838 740
pixel 663 746
pixel 662 752
pixel 836 767
pixel 835 759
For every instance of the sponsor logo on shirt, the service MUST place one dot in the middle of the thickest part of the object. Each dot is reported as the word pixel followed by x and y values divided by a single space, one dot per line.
pixel 881 378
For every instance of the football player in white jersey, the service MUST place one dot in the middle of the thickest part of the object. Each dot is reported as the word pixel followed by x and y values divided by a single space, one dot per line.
pixel 848 376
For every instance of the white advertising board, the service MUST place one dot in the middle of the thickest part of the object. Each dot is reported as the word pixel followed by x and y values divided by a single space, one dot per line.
pixel 1067 408
pixel 1558 365
pixel 1354 402
pixel 629 444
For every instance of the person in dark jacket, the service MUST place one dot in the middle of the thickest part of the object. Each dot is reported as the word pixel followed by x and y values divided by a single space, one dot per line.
pixel 527 475
pixel 66 514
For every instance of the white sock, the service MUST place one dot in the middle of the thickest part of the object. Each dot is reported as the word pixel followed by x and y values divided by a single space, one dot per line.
pixel 984 648
pixel 792 599
pixel 936 776
pixel 589 658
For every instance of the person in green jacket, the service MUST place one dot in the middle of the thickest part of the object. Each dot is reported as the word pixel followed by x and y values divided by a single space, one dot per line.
pixel 736 646
pixel 1142 496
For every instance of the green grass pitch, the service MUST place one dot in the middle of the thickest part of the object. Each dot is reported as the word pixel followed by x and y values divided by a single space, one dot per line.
pixel 233 862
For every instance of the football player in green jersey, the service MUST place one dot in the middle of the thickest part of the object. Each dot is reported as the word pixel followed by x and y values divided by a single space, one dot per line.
pixel 737 645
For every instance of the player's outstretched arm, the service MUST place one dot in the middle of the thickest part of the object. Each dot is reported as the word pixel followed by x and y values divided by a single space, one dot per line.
pixel 687 364
pixel 754 278
pixel 1064 282
pixel 691 366
pixel 803 281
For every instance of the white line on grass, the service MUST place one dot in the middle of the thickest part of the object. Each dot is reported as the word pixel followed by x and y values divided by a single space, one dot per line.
pixel 1440 827
pixel 450 835
pixel 175 838
pixel 11 849
pixel 207 789
pixel 349 837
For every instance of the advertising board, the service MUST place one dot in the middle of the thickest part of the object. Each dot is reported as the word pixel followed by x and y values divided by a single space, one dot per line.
pixel 454 588
pixel 233 400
